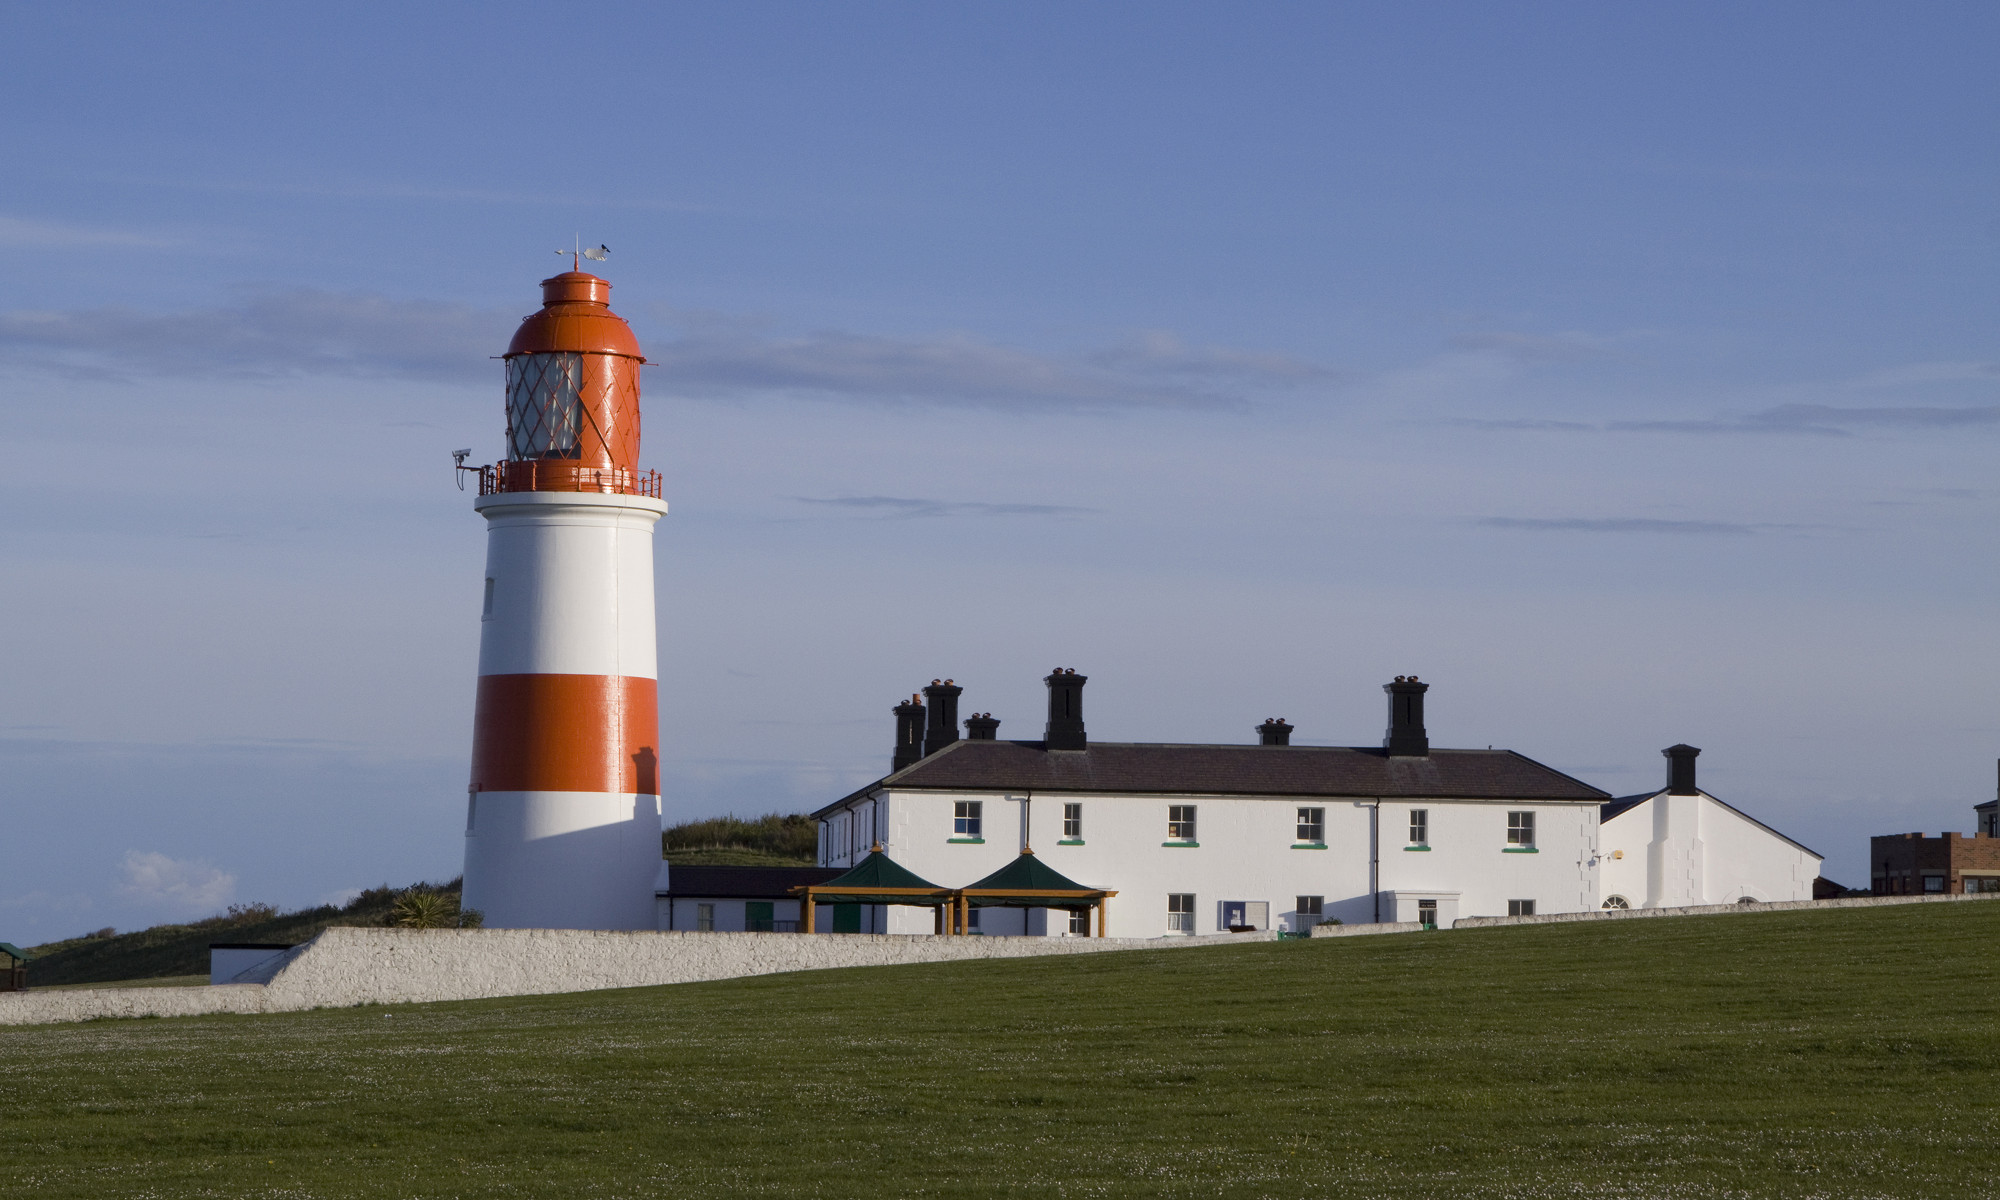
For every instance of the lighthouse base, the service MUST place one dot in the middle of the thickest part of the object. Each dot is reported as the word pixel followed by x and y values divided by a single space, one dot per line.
pixel 562 860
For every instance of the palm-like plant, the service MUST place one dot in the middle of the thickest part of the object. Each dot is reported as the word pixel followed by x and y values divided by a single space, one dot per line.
pixel 424 908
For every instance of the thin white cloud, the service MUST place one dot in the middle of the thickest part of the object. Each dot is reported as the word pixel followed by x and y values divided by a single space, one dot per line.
pixel 21 233
pixel 181 886
pixel 1615 525
pixel 300 332
pixel 954 370
pixel 1534 347
pixel 903 507
pixel 308 332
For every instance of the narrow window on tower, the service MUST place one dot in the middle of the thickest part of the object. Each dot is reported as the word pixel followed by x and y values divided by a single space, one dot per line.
pixel 486 608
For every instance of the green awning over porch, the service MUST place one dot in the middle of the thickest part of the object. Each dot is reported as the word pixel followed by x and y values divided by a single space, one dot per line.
pixel 1028 882
pixel 878 879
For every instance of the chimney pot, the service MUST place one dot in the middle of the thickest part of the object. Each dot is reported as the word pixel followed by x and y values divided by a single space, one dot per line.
pixel 981 727
pixel 909 735
pixel 1680 770
pixel 942 729
pixel 1065 727
pixel 1405 737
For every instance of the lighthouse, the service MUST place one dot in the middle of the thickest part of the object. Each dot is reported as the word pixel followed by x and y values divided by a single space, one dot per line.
pixel 562 822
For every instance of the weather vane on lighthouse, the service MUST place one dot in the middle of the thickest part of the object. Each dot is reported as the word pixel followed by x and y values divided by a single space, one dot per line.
pixel 598 253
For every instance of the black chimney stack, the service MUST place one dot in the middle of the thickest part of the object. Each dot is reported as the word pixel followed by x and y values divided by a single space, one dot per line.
pixel 909 734
pixel 943 728
pixel 982 727
pixel 1274 732
pixel 1680 770
pixel 1065 729
pixel 1406 737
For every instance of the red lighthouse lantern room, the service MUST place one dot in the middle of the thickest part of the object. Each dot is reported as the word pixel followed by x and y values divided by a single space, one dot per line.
pixel 572 397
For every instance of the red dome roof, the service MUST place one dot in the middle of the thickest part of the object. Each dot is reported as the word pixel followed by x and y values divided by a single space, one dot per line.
pixel 576 316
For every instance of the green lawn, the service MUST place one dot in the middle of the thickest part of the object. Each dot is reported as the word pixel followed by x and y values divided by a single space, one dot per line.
pixel 1815 1054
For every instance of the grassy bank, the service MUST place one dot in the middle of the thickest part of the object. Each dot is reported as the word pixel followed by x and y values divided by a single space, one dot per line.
pixel 1813 1054
pixel 169 951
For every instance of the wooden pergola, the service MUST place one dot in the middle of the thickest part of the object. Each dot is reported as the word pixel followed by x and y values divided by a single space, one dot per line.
pixel 877 879
pixel 1027 882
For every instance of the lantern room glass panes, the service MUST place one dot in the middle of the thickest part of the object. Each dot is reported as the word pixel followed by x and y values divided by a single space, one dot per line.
pixel 544 406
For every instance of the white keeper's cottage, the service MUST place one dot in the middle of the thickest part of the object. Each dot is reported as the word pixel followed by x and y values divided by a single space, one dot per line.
pixel 1201 839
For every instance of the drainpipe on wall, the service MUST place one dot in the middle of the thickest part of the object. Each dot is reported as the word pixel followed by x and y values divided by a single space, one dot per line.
pixel 1375 856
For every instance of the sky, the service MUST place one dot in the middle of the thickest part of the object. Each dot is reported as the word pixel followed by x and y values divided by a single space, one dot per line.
pixel 1629 373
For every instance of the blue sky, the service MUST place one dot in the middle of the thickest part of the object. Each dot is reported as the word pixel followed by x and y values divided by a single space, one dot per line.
pixel 1630 374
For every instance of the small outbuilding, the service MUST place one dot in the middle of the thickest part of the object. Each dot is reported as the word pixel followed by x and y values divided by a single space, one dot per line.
pixel 1681 846
pixel 13 968
pixel 726 899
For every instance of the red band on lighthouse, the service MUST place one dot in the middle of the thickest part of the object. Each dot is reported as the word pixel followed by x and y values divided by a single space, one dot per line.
pixel 566 733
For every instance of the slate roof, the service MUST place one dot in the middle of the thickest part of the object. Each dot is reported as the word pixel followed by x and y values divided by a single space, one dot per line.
pixel 1151 768
pixel 754 883
pixel 1622 804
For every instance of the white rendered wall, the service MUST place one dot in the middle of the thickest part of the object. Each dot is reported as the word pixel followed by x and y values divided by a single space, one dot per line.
pixel 1745 859
pixel 1710 853
pixel 1469 854
pixel 1246 851
pixel 563 860
pixel 572 580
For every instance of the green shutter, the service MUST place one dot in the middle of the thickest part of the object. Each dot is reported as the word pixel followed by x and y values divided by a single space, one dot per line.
pixel 757 916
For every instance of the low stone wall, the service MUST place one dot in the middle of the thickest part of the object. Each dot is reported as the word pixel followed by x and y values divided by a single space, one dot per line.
pixel 1716 910
pixel 1366 928
pixel 344 966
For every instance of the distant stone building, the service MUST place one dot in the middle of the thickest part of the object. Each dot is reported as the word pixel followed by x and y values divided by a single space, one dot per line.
pixel 1903 864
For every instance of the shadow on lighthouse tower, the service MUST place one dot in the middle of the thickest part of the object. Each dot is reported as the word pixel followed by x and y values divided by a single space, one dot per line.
pixel 562 825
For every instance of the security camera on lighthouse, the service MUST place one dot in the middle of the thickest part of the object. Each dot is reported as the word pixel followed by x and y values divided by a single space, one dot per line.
pixel 562 825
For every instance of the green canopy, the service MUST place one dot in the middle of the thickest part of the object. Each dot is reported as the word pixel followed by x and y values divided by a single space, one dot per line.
pixel 1028 882
pixel 878 879
pixel 10 949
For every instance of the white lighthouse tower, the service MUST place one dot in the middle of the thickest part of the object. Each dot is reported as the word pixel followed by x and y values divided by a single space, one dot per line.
pixel 562 825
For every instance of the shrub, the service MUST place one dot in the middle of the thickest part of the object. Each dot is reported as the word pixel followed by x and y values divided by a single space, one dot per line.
pixel 786 835
pixel 471 918
pixel 424 908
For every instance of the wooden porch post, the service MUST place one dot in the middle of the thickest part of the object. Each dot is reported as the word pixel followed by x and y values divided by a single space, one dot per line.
pixel 808 914
pixel 1101 903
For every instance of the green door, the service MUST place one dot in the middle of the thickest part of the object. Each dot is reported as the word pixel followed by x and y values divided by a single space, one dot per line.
pixel 847 918
pixel 757 916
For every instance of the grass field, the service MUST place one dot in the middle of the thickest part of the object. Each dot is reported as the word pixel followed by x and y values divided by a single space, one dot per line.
pixel 1811 1054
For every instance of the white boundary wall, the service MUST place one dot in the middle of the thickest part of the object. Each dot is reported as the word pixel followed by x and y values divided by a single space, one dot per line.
pixel 348 966
pixel 345 966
